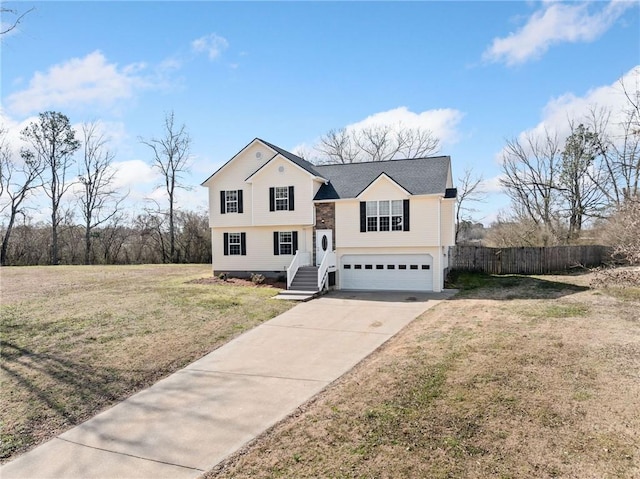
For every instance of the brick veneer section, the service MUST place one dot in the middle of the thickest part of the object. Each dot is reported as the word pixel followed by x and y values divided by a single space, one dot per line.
pixel 325 220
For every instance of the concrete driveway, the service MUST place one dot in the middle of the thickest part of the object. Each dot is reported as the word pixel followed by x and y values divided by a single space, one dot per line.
pixel 188 422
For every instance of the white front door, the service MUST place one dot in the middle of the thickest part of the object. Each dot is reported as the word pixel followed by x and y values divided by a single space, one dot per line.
pixel 324 244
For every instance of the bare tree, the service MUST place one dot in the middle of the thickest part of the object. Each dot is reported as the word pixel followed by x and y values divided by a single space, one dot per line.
pixel 376 143
pixel 170 158
pixel 619 145
pixel 6 27
pixel 581 178
pixel 17 181
pixel 54 143
pixel 99 201
pixel 622 231
pixel 530 173
pixel 337 146
pixel 469 190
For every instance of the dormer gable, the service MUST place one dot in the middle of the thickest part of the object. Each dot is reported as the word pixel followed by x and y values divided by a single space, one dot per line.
pixel 383 186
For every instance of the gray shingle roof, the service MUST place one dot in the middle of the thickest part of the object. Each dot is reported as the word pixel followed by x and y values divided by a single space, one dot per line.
pixel 420 176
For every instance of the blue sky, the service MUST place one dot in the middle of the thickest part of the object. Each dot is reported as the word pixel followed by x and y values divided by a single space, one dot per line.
pixel 475 73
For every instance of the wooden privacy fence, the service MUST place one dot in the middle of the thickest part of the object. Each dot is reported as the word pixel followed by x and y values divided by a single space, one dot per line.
pixel 526 260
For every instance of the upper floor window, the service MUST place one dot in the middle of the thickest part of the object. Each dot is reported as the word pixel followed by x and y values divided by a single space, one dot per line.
pixel 281 198
pixel 385 215
pixel 230 201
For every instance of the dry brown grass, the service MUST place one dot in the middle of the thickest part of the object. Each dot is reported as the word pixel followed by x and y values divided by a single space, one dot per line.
pixel 78 339
pixel 516 377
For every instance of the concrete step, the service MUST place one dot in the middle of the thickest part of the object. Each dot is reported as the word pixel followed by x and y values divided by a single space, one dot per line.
pixel 296 295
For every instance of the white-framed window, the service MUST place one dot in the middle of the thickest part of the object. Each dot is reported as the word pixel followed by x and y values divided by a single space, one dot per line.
pixel 285 241
pixel 397 215
pixel 231 201
pixel 235 244
pixel 282 198
pixel 372 216
pixel 386 215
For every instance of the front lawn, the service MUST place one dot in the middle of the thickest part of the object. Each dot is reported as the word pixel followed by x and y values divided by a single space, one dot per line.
pixel 515 377
pixel 77 339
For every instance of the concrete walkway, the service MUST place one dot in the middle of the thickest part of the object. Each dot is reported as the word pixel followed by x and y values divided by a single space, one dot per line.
pixel 190 421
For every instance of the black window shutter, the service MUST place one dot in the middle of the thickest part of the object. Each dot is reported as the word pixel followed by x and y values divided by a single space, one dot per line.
pixel 276 243
pixel 243 244
pixel 222 203
pixel 363 216
pixel 226 244
pixel 291 202
pixel 272 199
pixel 405 214
pixel 294 240
pixel 239 201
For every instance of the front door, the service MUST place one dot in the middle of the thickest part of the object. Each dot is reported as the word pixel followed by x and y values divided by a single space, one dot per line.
pixel 324 244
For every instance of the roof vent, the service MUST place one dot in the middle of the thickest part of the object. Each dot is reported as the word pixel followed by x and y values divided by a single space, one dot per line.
pixel 258 155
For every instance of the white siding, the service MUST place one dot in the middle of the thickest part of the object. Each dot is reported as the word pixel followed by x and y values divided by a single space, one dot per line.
pixel 281 172
pixel 232 177
pixel 259 255
pixel 447 222
pixel 423 216
pixel 383 188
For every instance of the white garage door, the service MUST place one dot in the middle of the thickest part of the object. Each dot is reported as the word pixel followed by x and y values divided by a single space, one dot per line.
pixel 387 272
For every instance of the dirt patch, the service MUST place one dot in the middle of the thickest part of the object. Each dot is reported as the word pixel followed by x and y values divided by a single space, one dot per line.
pixel 267 283
pixel 516 377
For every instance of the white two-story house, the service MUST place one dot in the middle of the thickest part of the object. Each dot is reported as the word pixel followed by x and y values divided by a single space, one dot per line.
pixel 362 226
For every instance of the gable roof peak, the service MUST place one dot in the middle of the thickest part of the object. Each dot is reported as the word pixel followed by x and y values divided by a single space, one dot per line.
pixel 301 162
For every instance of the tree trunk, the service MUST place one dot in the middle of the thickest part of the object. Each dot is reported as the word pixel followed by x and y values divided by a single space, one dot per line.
pixel 5 241
pixel 172 237
pixel 54 238
pixel 87 243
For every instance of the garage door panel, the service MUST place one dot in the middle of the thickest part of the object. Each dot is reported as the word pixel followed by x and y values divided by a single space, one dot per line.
pixel 387 272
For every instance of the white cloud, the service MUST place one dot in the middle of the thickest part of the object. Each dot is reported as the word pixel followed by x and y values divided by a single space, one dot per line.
pixel 558 112
pixel 212 44
pixel 491 185
pixel 134 174
pixel 555 23
pixel 77 82
pixel 442 122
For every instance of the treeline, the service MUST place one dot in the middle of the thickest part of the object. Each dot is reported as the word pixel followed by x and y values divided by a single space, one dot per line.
pixel 71 173
pixel 139 240
pixel 561 187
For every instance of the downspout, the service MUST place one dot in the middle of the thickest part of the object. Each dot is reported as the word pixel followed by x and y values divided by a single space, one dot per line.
pixel 440 278
pixel 252 208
